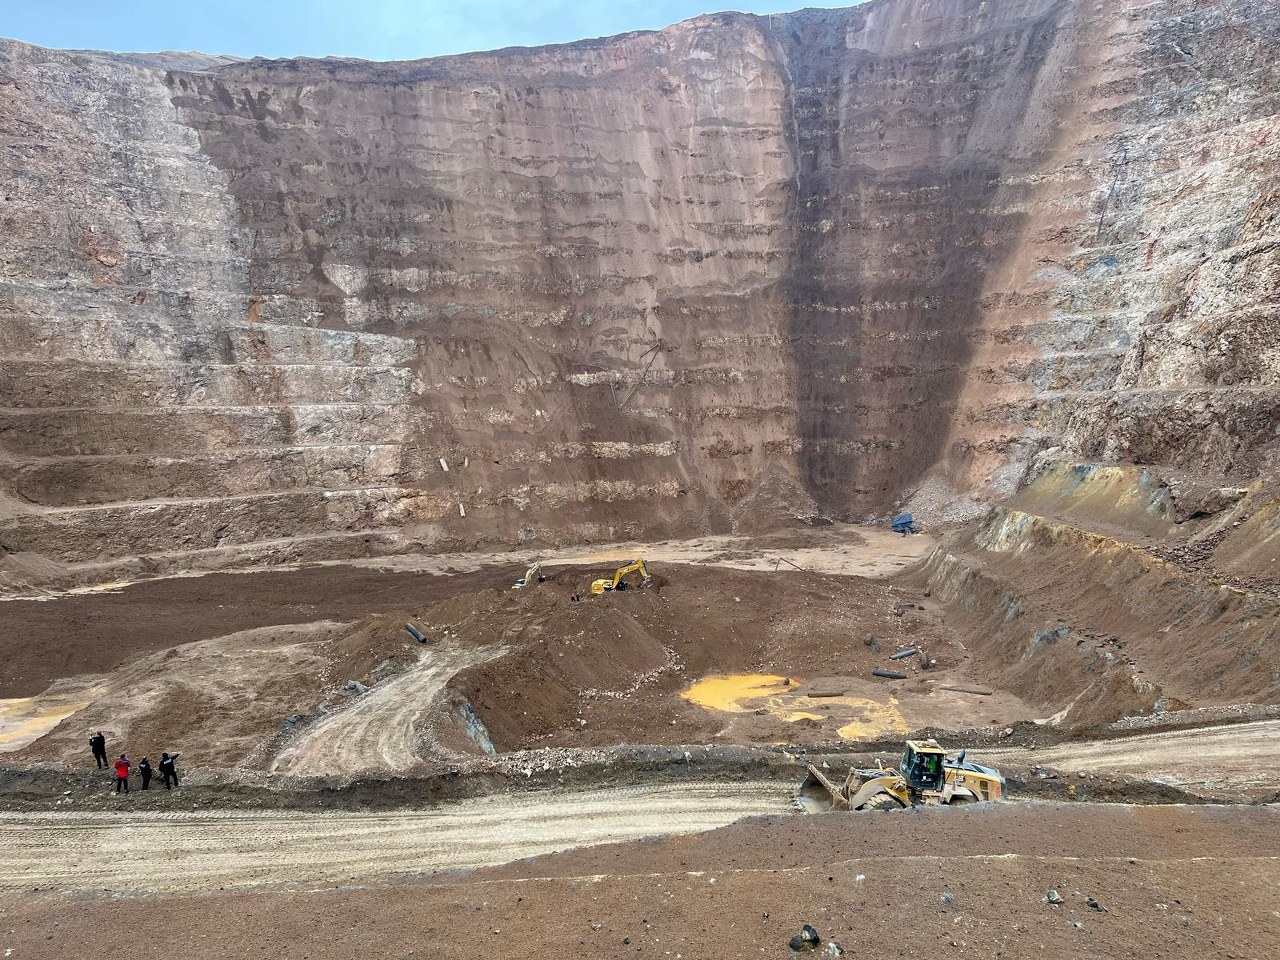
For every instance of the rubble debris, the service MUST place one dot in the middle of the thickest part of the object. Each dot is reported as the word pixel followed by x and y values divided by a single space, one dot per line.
pixel 807 939
pixel 974 689
pixel 888 674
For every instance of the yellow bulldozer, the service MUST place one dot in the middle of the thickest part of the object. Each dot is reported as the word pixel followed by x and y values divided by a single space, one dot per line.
pixel 925 777
pixel 605 584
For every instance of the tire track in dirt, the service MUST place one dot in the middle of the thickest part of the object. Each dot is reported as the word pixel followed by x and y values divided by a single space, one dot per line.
pixel 211 850
pixel 1243 756
pixel 380 731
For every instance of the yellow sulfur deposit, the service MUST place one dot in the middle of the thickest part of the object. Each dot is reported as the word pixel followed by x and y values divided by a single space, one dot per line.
pixel 729 691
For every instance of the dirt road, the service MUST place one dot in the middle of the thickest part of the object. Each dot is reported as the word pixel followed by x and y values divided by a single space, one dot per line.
pixel 1220 762
pixel 1181 883
pixel 846 551
pixel 380 731
pixel 210 851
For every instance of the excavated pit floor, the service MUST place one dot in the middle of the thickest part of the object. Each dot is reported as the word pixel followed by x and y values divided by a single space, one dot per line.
pixel 767 641
pixel 212 665
pixel 277 817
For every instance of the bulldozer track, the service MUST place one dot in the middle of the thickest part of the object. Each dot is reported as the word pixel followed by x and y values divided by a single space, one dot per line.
pixel 380 731
pixel 1233 756
pixel 1194 733
pixel 216 850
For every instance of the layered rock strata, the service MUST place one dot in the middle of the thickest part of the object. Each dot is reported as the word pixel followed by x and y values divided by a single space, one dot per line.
pixel 661 283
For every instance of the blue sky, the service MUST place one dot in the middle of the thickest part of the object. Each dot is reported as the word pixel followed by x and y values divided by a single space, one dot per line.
pixel 373 29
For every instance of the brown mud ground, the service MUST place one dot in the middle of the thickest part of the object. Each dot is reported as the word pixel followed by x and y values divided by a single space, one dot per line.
pixel 44 640
pixel 1174 882
pixel 612 669
pixel 536 669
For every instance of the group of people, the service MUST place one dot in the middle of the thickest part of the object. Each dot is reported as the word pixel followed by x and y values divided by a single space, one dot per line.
pixel 168 766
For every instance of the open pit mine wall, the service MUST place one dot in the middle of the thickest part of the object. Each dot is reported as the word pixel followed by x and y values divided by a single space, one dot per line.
pixel 711 277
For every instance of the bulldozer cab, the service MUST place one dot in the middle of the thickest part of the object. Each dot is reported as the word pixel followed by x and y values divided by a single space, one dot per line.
pixel 922 765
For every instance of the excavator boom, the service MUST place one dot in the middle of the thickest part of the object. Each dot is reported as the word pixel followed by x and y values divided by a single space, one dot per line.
pixel 604 585
pixel 532 575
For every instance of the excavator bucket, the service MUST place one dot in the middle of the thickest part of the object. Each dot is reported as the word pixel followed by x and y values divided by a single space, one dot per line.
pixel 817 794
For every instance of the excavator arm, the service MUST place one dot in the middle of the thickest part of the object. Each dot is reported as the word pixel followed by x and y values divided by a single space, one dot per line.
pixel 532 576
pixel 634 566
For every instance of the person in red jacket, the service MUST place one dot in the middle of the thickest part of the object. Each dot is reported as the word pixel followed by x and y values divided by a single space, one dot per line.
pixel 122 774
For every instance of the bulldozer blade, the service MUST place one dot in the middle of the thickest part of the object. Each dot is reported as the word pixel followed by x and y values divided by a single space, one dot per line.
pixel 817 794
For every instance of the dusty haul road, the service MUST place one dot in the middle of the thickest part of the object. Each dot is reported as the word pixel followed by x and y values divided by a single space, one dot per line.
pixel 1178 883
pixel 215 850
pixel 1232 760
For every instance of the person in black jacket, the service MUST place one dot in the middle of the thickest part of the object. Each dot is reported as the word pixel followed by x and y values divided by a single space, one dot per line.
pixel 144 769
pixel 169 770
pixel 98 744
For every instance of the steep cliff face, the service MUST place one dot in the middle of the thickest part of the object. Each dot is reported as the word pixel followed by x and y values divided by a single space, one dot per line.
pixel 736 270
pixel 909 123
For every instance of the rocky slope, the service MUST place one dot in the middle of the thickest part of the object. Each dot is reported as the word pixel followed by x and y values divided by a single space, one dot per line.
pixel 745 266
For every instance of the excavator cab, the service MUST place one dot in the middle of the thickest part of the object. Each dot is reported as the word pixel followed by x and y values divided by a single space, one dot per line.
pixel 532 576
pixel 605 585
pixel 922 766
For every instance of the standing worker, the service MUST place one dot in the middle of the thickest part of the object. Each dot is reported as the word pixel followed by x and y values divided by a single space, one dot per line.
pixel 98 744
pixel 122 774
pixel 168 770
pixel 144 768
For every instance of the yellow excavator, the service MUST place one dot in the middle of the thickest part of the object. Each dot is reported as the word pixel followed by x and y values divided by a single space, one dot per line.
pixel 605 585
pixel 925 777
